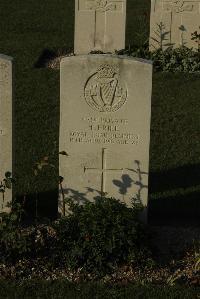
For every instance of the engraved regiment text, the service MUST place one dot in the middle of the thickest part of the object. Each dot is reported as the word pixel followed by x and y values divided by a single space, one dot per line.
pixel 102 130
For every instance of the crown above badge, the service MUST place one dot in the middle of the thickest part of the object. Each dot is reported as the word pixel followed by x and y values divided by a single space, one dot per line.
pixel 106 71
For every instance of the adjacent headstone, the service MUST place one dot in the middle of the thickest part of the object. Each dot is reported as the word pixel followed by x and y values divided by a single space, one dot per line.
pixel 5 126
pixel 105 128
pixel 99 25
pixel 173 22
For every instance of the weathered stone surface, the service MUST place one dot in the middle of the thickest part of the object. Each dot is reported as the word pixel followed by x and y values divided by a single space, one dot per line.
pixel 99 25
pixel 5 125
pixel 105 127
pixel 174 20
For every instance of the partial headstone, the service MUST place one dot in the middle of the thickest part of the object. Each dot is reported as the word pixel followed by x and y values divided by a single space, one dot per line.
pixel 105 128
pixel 173 22
pixel 5 126
pixel 99 25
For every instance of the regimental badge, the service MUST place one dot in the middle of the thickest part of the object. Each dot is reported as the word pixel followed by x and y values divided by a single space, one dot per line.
pixel 104 91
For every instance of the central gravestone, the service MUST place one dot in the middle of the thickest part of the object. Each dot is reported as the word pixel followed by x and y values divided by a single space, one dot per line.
pixel 99 25
pixel 105 127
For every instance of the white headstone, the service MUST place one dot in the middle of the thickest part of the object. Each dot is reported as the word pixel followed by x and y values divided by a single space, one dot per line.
pixel 105 127
pixel 175 21
pixel 99 25
pixel 5 126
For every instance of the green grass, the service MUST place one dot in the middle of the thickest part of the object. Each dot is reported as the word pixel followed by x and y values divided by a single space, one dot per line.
pixel 62 289
pixel 27 28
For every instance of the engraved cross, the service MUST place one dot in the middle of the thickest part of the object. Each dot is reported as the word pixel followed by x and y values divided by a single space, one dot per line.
pixel 101 9
pixel 103 170
pixel 177 10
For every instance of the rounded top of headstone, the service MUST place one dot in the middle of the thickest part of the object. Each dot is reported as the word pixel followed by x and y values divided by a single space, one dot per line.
pixel 100 56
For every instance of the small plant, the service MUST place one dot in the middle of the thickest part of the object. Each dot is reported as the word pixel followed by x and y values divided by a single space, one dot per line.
pixel 196 38
pixel 10 237
pixel 160 35
pixel 6 183
pixel 61 179
pixel 180 59
pixel 197 263
pixel 100 236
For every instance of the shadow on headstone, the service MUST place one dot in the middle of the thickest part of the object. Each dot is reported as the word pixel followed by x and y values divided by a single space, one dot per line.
pixel 123 185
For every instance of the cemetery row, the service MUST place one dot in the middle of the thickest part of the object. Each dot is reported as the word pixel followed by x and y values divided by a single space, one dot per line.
pixel 105 101
pixel 101 24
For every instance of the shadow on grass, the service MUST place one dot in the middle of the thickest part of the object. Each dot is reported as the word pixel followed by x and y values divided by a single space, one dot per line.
pixel 178 196
pixel 42 206
pixel 47 56
pixel 44 58
pixel 180 177
pixel 175 210
pixel 173 199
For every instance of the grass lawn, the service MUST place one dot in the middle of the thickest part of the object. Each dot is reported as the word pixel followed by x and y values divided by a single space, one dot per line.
pixel 27 29
pixel 61 289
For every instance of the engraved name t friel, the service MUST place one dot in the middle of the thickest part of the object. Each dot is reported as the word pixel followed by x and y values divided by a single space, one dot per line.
pixel 104 91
